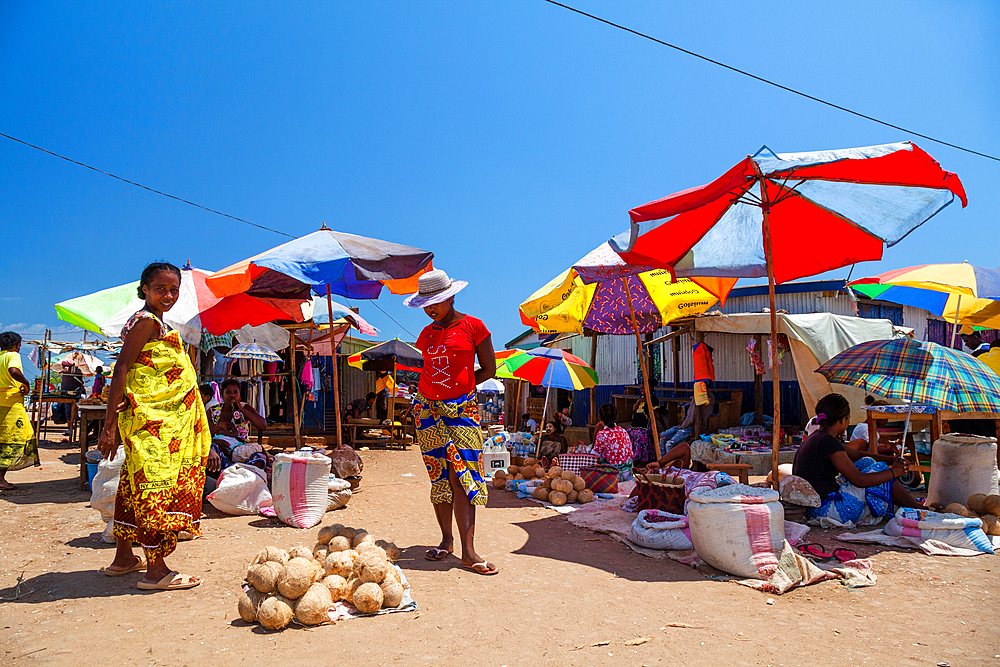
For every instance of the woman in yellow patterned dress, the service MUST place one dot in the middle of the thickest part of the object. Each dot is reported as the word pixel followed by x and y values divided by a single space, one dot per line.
pixel 154 405
pixel 18 447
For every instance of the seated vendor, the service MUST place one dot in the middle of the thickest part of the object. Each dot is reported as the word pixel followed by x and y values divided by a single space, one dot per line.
pixel 553 442
pixel 360 408
pixel 641 436
pixel 872 487
pixel 230 423
pixel 527 424
pixel 860 436
pixel 682 431
pixel 611 442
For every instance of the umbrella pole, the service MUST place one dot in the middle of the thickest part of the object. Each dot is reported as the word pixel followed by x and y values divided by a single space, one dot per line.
pixel 776 385
pixel 295 394
pixel 392 398
pixel 517 405
pixel 545 406
pixel 954 328
pixel 336 371
pixel 645 371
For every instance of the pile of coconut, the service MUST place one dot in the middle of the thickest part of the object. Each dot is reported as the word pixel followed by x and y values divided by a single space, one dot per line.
pixel 982 507
pixel 555 485
pixel 346 564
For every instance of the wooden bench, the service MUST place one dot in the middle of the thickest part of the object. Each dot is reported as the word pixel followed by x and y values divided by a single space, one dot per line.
pixel 739 470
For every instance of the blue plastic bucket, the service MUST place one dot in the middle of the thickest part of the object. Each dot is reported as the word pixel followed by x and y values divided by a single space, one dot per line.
pixel 91 473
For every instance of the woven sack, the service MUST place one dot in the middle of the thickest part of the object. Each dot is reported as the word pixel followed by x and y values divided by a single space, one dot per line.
pixel 299 486
pixel 962 465
pixel 660 492
pixel 738 529
pixel 600 478
pixel 660 530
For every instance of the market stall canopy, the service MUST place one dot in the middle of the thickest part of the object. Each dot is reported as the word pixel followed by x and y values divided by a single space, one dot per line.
pixel 826 209
pixel 592 295
pixel 341 315
pixel 922 372
pixel 353 266
pixel 814 339
pixel 384 356
pixel 87 363
pixel 107 311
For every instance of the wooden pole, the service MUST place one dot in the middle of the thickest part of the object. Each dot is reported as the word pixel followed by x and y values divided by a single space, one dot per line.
pixel 295 392
pixel 645 370
pixel 758 385
pixel 677 361
pixel 517 405
pixel 541 427
pixel 775 383
pixel 336 363
pixel 593 390
pixel 308 353
pixel 954 327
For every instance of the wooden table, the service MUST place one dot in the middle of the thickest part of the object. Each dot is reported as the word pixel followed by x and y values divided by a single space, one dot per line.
pixel 87 414
pixel 352 427
pixel 54 398
pixel 934 419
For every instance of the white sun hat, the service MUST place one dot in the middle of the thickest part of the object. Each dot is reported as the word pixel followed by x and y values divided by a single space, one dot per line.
pixel 434 287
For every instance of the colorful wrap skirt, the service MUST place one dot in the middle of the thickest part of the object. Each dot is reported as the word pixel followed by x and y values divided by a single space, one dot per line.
pixel 18 447
pixel 448 432
pixel 165 432
pixel 851 504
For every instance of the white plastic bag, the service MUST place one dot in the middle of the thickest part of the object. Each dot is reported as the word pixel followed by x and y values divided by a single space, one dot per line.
pixel 738 529
pixel 300 486
pixel 654 529
pixel 242 489
pixel 105 488
pixel 338 492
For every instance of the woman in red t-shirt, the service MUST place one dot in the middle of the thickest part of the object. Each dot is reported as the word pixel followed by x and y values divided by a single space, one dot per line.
pixel 448 417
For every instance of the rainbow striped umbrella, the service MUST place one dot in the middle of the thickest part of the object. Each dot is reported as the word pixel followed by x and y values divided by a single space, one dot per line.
pixel 548 367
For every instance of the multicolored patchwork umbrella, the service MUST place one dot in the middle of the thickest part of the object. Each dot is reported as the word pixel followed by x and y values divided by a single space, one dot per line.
pixel 253 351
pixel 353 266
pixel 921 372
pixel 594 295
pixel 961 293
pixel 550 368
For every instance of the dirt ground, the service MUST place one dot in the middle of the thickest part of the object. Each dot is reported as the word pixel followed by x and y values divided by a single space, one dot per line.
pixel 564 596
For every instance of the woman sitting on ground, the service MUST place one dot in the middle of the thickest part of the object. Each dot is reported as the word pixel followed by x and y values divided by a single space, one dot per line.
pixel 553 442
pixel 872 487
pixel 611 442
pixel 230 424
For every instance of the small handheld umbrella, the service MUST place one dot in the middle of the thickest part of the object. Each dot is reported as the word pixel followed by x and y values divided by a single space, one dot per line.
pixel 791 215
pixel 491 386
pixel 920 372
pixel 548 367
pixel 960 292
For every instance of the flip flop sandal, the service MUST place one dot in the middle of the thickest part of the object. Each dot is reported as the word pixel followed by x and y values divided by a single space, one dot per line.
pixel 138 567
pixel 437 554
pixel 491 569
pixel 172 582
pixel 815 550
pixel 844 555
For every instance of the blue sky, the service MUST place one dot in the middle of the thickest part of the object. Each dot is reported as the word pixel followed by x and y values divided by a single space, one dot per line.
pixel 510 138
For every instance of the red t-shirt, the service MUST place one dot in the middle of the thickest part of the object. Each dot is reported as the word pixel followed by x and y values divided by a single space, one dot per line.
pixel 449 355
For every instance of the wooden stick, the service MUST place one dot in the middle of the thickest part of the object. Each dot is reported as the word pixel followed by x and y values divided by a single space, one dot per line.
pixel 645 370
pixel 776 384
pixel 593 390
pixel 758 385
pixel 295 393
pixel 336 370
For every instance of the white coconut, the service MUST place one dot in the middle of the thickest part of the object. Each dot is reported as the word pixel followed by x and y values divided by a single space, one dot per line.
pixel 370 567
pixel 272 554
pixel 313 608
pixel 390 549
pixel 368 598
pixel 337 586
pixel 339 543
pixel 249 603
pixel 296 577
pixel 365 547
pixel 392 593
pixel 320 548
pixel 275 612
pixel 339 562
pixel 352 585
pixel 264 576
pixel 300 551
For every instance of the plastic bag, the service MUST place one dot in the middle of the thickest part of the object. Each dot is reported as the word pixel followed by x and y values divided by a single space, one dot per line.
pixel 339 493
pixel 654 529
pixel 242 489
pixel 105 488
